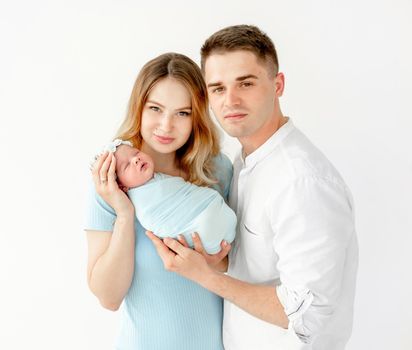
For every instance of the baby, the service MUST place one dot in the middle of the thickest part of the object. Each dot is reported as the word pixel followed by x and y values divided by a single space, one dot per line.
pixel 168 205
pixel 133 167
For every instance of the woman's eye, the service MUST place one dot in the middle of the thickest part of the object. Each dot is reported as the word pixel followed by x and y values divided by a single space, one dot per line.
pixel 183 114
pixel 155 108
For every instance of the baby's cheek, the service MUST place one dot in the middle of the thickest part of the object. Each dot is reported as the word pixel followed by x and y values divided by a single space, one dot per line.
pixel 132 179
pixel 120 178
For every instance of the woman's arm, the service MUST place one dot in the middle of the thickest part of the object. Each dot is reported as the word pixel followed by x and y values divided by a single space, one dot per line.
pixel 111 254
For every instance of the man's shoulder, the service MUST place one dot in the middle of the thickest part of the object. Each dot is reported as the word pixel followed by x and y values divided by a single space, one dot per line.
pixel 303 159
pixel 294 159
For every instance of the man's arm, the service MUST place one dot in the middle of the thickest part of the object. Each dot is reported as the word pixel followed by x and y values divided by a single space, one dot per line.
pixel 222 265
pixel 260 301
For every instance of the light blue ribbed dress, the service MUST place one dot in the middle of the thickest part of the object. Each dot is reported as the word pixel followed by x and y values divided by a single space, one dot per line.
pixel 162 310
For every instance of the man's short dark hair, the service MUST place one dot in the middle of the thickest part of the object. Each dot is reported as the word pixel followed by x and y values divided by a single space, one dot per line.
pixel 241 37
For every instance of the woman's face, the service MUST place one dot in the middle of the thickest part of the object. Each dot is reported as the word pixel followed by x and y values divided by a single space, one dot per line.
pixel 167 117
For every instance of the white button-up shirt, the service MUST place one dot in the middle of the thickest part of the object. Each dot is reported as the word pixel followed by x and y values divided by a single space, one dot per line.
pixel 296 232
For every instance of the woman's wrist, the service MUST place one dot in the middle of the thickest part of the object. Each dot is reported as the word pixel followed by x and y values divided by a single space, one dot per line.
pixel 125 213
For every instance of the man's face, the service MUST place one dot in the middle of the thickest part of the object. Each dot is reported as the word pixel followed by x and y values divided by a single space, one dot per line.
pixel 242 93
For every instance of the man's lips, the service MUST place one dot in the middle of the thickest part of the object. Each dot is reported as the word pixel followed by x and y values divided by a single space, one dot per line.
pixel 163 139
pixel 235 115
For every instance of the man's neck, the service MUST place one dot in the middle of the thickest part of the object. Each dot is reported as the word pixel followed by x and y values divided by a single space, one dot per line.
pixel 252 142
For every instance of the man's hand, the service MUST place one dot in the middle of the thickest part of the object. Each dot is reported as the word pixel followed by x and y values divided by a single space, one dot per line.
pixel 179 258
pixel 259 300
pixel 217 261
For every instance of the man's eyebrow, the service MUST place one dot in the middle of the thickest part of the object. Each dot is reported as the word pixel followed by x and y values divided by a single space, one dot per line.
pixel 241 78
pixel 248 76
pixel 218 83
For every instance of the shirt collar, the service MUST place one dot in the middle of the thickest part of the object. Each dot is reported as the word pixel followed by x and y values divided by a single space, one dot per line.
pixel 268 146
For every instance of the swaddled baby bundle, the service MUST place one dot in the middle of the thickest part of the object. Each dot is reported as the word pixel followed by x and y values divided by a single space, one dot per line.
pixel 169 206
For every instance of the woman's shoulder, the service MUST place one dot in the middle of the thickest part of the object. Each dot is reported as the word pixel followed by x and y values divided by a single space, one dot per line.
pixel 223 171
pixel 222 165
pixel 223 161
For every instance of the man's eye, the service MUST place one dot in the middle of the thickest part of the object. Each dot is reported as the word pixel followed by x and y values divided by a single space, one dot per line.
pixel 217 90
pixel 246 84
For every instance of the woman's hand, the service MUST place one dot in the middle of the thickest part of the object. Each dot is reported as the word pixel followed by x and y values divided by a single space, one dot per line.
pixel 104 178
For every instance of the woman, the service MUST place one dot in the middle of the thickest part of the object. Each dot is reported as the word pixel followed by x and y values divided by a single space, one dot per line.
pixel 167 119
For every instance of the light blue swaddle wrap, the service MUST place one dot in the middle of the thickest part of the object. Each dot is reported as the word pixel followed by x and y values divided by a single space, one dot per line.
pixel 169 206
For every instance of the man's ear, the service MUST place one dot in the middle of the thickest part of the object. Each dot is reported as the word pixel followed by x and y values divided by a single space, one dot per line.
pixel 279 84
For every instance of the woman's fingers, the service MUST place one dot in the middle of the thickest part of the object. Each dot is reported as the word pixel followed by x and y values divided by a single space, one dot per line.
pixel 97 166
pixel 111 174
pixel 104 168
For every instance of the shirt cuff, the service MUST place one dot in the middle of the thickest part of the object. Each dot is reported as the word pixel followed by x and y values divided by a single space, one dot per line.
pixel 295 304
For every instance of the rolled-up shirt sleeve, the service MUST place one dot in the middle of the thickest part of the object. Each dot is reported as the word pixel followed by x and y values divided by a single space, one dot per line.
pixel 313 223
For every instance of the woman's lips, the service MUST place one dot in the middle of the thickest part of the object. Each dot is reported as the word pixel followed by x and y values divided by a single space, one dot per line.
pixel 164 140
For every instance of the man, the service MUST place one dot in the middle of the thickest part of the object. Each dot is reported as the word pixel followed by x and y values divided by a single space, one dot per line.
pixel 292 269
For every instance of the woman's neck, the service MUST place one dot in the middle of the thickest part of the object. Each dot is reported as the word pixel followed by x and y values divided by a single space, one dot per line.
pixel 163 162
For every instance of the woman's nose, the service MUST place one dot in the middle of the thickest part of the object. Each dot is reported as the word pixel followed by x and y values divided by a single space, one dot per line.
pixel 166 123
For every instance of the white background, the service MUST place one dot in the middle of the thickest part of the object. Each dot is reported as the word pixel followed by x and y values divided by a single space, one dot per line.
pixel 66 72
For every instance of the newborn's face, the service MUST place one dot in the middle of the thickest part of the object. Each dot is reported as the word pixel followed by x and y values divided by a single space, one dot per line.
pixel 133 167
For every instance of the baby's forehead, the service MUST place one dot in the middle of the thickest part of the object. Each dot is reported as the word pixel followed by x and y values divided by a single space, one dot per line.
pixel 125 150
pixel 122 155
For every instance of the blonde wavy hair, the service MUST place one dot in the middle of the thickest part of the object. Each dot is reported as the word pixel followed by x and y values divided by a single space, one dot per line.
pixel 196 156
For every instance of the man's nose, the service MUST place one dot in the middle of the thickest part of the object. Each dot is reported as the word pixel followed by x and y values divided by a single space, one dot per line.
pixel 231 98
